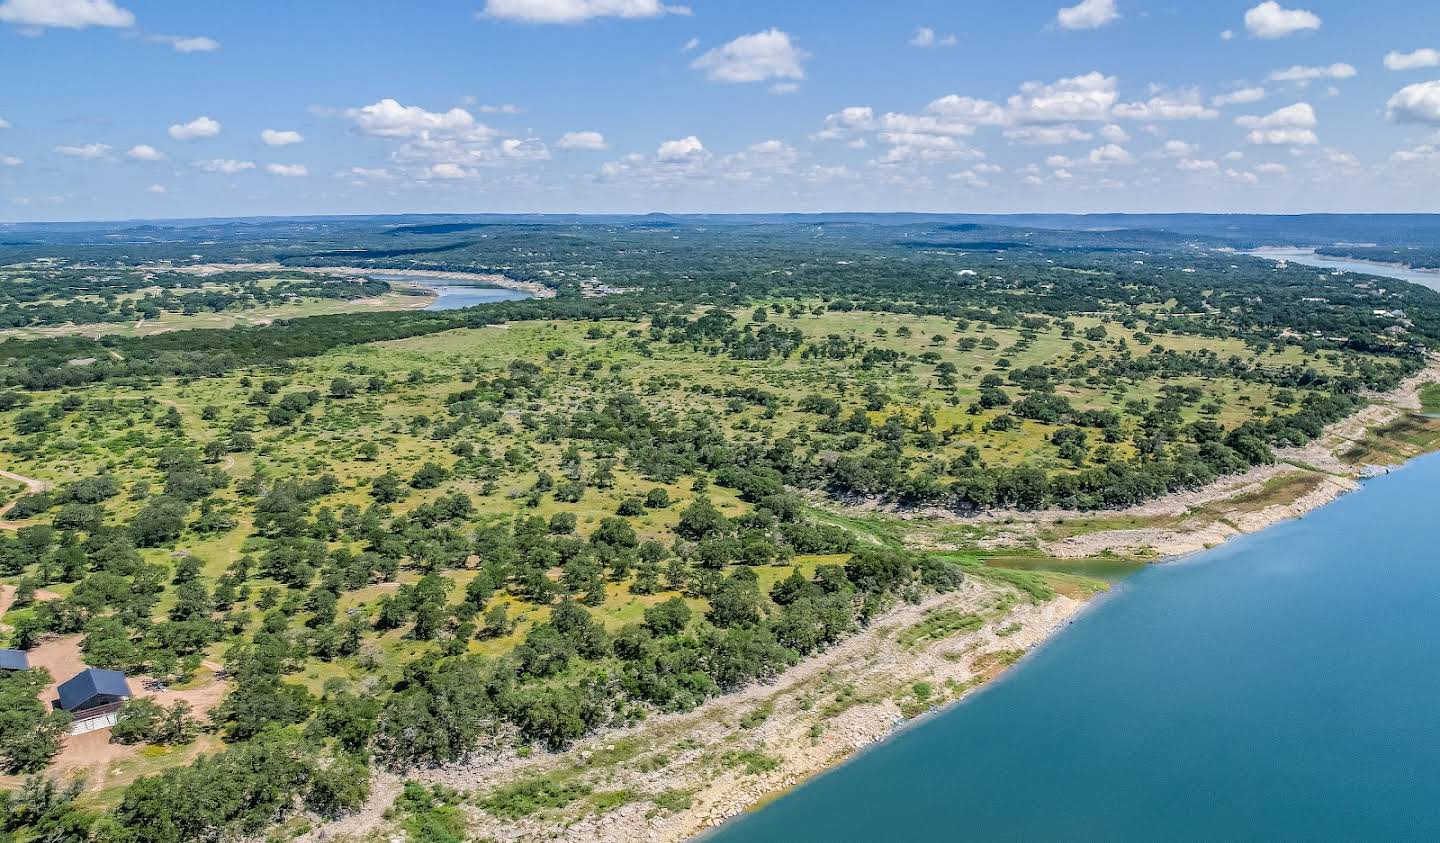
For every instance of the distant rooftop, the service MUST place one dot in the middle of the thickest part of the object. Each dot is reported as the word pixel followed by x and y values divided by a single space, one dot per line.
pixel 14 660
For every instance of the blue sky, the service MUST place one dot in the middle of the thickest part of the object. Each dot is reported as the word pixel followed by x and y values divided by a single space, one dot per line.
pixel 133 109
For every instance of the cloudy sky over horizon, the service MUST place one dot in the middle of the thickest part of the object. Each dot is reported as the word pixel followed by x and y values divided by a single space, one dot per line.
pixel 135 109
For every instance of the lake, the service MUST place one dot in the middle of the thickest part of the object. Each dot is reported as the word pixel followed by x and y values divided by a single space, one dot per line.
pixel 1424 277
pixel 1283 686
pixel 452 296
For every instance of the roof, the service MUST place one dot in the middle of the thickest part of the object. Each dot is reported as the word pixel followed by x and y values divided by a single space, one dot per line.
pixel 14 660
pixel 90 682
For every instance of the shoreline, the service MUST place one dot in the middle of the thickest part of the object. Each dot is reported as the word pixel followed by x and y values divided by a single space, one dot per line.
pixel 869 676
pixel 539 291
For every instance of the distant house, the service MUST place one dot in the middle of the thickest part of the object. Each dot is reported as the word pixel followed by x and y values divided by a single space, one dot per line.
pixel 14 660
pixel 93 692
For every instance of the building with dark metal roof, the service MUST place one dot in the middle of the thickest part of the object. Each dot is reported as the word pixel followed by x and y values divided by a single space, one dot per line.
pixel 92 689
pixel 14 660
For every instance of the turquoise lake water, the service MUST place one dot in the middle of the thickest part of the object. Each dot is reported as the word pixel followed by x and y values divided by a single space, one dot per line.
pixel 1285 686
pixel 453 296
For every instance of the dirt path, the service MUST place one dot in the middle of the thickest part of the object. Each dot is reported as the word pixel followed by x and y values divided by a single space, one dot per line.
pixel 32 487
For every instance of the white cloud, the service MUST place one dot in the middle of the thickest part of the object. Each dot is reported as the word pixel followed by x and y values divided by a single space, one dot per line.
pixel 1272 169
pixel 224 165
pixel 11 160
pixel 200 127
pixel 690 45
pixel 389 119
pixel 1424 153
pixel 1303 74
pixel 684 149
pixel 575 11
pixel 1299 115
pixel 1178 149
pixel 280 137
pixel 582 140
pixel 1168 105
pixel 926 37
pixel 1114 133
pixel 1418 103
pixel 1240 177
pixel 1076 99
pixel 503 108
pixel 287 170
pixel 782 88
pixel 447 170
pixel 1242 96
pixel 754 58
pixel 1424 57
pixel 156 188
pixel 88 150
pixel 1282 137
pixel 1110 154
pixel 968 110
pixel 65 14
pixel 1292 125
pixel 188 43
pixel 1049 135
pixel 1191 165
pixel 1271 20
pixel 1088 14
pixel 144 152
pixel 1227 35
pixel 4 124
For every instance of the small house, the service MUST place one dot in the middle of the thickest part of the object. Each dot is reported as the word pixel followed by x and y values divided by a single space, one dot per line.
pixel 92 692
pixel 13 660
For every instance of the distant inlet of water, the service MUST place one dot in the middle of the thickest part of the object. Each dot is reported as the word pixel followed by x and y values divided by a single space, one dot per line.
pixel 453 295
pixel 1424 277
pixel 1281 687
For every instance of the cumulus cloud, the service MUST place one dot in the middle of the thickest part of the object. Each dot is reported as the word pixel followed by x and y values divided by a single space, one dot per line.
pixel 1049 135
pixel 1271 20
pixel 1304 75
pixel 65 14
pixel 389 119
pixel 1425 57
pixel 1272 169
pixel 684 149
pixel 86 150
pixel 1114 133
pixel 1191 165
pixel 1292 125
pixel 291 170
pixel 1423 154
pixel 197 129
pixel 1075 99
pixel 1088 14
pixel 144 152
pixel 576 11
pixel 280 137
pixel 1241 96
pixel 926 37
pixel 156 188
pixel 4 124
pixel 11 160
pixel 582 140
pixel 1178 149
pixel 1171 105
pixel 224 165
pixel 430 138
pixel 1418 103
pixel 188 43
pixel 754 58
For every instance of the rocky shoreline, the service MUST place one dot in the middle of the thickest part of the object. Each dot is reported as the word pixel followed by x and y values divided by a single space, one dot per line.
pixel 829 707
